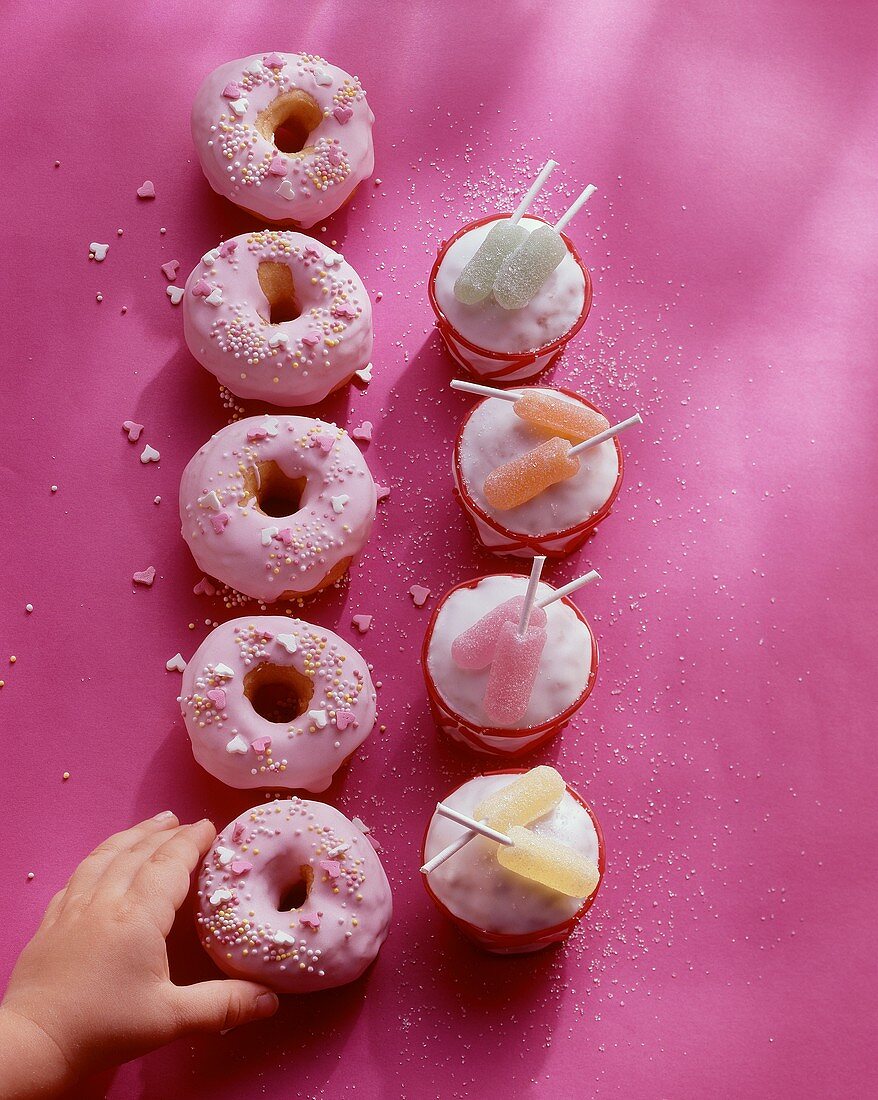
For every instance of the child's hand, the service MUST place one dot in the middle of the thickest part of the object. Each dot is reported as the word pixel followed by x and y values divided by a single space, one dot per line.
pixel 92 987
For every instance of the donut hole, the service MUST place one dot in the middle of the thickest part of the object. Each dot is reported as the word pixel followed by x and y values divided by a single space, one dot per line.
pixel 288 121
pixel 276 494
pixel 278 693
pixel 295 894
pixel 276 282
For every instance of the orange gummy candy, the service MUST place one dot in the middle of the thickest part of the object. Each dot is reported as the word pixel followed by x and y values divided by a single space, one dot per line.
pixel 559 416
pixel 525 477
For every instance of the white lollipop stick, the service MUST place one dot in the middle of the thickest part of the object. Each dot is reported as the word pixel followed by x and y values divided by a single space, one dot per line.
pixel 602 437
pixel 531 594
pixel 578 204
pixel 474 826
pixel 567 589
pixel 484 391
pixel 448 852
pixel 534 189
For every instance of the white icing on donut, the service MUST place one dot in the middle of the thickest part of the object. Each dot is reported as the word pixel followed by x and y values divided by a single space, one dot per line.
pixel 476 888
pixel 552 311
pixel 298 753
pixel 273 557
pixel 296 362
pixel 244 165
pixel 565 664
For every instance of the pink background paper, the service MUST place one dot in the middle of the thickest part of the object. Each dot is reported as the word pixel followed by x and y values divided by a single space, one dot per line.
pixel 728 747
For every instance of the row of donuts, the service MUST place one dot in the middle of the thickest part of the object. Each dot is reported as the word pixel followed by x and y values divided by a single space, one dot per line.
pixel 277 506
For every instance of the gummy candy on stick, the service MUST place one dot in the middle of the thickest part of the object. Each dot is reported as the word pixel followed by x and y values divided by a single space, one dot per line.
pixel 525 477
pixel 475 282
pixel 524 271
pixel 513 673
pixel 476 646
pixel 568 419
pixel 549 862
pixel 527 798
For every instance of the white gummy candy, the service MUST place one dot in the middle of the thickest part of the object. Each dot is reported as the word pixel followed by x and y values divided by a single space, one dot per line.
pixel 476 281
pixel 525 270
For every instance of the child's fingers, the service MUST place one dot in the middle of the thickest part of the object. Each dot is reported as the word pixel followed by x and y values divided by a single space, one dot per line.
pixel 85 877
pixel 162 882
pixel 221 1005
pixel 119 875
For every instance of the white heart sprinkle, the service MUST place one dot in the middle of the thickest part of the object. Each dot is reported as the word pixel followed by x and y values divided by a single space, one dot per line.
pixel 215 298
pixel 220 895
pixel 286 190
pixel 98 251
pixel 175 293
pixel 339 502
pixel 224 855
pixel 278 340
pixel 239 106
pixel 176 663
pixel 268 534
pixel 271 425
pixel 322 77
pixel 332 259
pixel 289 642
pixel 318 717
pixel 210 258
pixel 210 500
pixel 150 454
pixel 283 938
pixel 365 375
pixel 223 670
pixel 237 745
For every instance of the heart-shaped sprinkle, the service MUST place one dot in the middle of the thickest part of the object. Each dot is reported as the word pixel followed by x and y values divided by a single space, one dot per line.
pixel 240 867
pixel 278 166
pixel 237 745
pixel 311 919
pixel 255 434
pixel 149 454
pixel 331 867
pixel 343 719
pixel 419 594
pixel 318 717
pixel 237 832
pixel 274 61
pixel 311 339
pixel 364 432
pixel 98 251
pixel 221 895
pixel 219 522
pixel 210 258
pixel 261 744
pixel 232 90
pixel 176 663
pixel 362 622
pixel 145 577
pixel 146 190
pixel 365 375
pixel 133 429
pixel 343 115
pixel 204 588
pixel 271 425
pixel 228 248
pixel 239 106
pixel 170 269
pixel 223 670
pixel 344 310
pixel 322 77
pixel 215 298
pixel 268 534
pixel 374 842
pixel 339 502
pixel 283 939
pixel 218 697
pixel 201 289
pixel 175 293
pixel 286 536
pixel 224 855
pixel 323 441
pixel 278 339
pixel 382 491
pixel 332 259
pixel 289 641
pixel 286 190
pixel 210 500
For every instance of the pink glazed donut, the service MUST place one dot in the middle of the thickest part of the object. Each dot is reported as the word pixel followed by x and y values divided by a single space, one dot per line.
pixel 277 506
pixel 286 136
pixel 278 317
pixel 273 701
pixel 293 895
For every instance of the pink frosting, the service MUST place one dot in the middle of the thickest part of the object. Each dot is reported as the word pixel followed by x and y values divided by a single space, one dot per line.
pixel 273 557
pixel 296 362
pixel 243 165
pixel 332 937
pixel 235 743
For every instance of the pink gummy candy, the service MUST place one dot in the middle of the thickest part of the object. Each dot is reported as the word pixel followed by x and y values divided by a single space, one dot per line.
pixel 513 673
pixel 475 648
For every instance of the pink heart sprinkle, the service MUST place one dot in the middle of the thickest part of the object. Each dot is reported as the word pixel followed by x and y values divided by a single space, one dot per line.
pixel 382 491
pixel 285 536
pixel 169 270
pixel 311 919
pixel 331 866
pixel 364 432
pixel 344 309
pixel 343 719
pixel 261 744
pixel 278 166
pixel 240 866
pixel 274 61
pixel 310 253
pixel 323 441
pixel 202 288
pixel 374 842
pixel 132 429
pixel 334 156
pixel 233 90
pixel 362 622
pixel 419 594
pixel 237 832
pixel 311 339
pixel 145 577
pixel 219 522
pixel 343 114
pixel 204 588
pixel 217 696
pixel 146 190
pixel 228 248
pixel 255 434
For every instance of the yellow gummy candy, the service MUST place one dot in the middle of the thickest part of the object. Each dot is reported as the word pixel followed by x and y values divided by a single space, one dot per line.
pixel 569 419
pixel 549 862
pixel 523 800
pixel 525 477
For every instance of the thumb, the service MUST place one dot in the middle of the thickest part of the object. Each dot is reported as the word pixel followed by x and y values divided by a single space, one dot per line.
pixel 222 1005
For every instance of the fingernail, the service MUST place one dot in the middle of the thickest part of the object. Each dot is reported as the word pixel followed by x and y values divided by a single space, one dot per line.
pixel 266 1005
pixel 165 815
